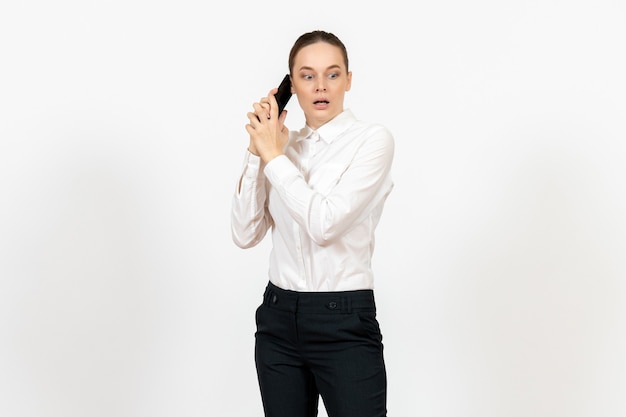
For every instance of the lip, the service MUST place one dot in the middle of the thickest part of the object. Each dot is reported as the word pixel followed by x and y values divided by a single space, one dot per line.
pixel 321 102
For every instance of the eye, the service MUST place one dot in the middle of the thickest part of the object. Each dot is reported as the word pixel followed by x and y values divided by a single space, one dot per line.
pixel 333 75
pixel 307 77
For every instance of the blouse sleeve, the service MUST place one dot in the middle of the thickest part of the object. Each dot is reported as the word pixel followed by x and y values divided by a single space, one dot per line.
pixel 363 186
pixel 250 218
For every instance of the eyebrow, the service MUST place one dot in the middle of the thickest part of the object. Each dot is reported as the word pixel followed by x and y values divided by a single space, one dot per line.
pixel 311 69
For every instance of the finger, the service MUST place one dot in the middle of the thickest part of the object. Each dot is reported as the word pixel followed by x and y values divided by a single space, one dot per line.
pixel 253 118
pixel 262 110
pixel 265 101
pixel 273 104
pixel 282 116
pixel 270 101
pixel 258 109
pixel 267 108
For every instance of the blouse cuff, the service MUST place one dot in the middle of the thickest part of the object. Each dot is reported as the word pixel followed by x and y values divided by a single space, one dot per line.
pixel 251 165
pixel 279 169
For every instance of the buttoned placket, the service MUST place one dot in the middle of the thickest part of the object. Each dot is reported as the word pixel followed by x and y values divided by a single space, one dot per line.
pixel 308 151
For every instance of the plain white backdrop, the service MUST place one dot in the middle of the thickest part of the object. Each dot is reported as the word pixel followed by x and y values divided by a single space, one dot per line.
pixel 500 267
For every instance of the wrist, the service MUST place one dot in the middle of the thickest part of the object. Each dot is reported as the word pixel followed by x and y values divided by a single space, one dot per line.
pixel 269 157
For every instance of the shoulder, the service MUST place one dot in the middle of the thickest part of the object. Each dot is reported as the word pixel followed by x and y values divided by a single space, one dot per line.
pixel 373 134
pixel 366 128
pixel 373 128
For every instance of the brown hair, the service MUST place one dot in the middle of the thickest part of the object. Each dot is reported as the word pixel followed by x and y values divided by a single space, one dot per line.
pixel 315 36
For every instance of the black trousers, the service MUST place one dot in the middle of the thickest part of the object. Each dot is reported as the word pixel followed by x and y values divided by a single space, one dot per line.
pixel 327 344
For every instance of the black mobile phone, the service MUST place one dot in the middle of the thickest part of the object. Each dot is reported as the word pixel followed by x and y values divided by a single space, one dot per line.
pixel 283 94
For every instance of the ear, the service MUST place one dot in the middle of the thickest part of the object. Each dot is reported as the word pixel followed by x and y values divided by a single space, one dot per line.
pixel 349 83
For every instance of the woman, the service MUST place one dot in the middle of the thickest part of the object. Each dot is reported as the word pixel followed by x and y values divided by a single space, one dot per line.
pixel 321 191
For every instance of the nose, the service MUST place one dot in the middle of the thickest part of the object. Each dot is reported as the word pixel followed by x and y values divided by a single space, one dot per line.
pixel 320 87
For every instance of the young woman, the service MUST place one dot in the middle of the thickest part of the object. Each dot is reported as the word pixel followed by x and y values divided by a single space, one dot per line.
pixel 321 192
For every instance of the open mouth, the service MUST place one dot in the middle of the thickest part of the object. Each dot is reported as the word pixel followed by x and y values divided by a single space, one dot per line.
pixel 320 102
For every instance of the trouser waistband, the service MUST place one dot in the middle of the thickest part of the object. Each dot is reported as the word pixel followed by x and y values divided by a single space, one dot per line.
pixel 332 302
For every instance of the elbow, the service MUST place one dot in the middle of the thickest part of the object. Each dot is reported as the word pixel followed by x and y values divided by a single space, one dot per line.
pixel 244 243
pixel 327 225
pixel 244 236
pixel 324 237
pixel 247 235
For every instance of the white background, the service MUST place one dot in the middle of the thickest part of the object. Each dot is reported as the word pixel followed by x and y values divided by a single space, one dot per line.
pixel 500 264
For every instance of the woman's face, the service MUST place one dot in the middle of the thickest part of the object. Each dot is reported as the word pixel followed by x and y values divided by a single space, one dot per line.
pixel 320 81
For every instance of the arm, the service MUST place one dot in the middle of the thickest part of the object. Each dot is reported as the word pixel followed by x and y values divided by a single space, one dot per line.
pixel 361 188
pixel 250 219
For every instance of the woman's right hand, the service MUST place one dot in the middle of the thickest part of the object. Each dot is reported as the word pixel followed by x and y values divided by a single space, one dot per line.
pixel 268 133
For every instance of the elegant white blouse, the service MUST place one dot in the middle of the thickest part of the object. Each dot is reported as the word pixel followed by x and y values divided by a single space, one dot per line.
pixel 322 200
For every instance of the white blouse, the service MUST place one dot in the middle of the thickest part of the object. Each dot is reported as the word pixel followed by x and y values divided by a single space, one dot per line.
pixel 322 200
